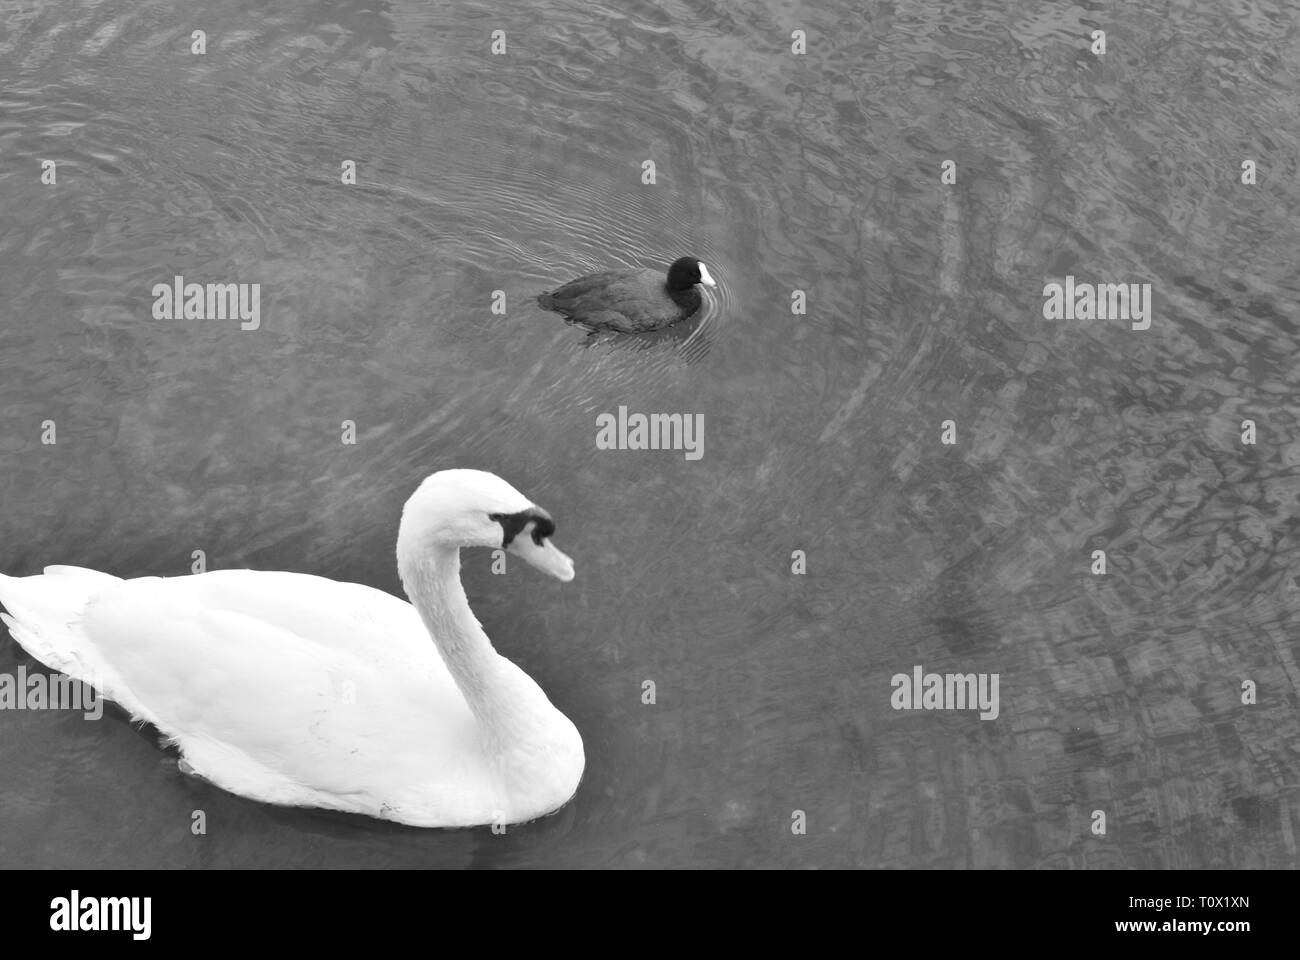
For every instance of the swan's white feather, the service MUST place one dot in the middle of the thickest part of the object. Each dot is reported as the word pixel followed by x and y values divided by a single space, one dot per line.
pixel 288 688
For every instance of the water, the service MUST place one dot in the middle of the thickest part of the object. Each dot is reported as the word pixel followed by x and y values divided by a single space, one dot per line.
pixel 819 172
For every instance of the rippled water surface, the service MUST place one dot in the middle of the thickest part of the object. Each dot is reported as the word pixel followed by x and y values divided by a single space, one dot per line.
pixel 1120 693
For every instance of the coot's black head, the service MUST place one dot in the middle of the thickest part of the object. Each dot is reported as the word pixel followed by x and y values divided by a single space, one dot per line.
pixel 686 273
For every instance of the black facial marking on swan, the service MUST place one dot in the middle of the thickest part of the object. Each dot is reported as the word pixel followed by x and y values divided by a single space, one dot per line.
pixel 512 523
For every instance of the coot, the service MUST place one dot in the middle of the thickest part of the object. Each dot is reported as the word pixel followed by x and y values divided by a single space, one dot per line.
pixel 631 301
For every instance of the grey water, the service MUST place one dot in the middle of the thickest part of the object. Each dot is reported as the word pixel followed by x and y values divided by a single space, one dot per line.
pixel 1162 693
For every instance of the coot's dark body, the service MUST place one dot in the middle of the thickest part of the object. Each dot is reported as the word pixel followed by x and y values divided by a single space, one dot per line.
pixel 631 301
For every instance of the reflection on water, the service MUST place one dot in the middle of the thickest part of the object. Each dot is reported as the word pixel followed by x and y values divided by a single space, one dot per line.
pixel 819 173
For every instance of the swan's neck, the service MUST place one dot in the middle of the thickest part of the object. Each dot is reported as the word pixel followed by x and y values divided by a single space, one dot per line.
pixel 488 682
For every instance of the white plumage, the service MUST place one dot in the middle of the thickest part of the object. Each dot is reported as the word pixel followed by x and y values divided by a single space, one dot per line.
pixel 294 689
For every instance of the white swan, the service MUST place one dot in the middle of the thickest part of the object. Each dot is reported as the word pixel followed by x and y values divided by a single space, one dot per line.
pixel 294 689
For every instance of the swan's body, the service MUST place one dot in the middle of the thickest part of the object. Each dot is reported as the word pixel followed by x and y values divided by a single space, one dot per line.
pixel 294 689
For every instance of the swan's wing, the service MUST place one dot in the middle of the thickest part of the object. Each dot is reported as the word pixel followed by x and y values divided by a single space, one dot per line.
pixel 48 610
pixel 284 687
pixel 281 687
pixel 347 617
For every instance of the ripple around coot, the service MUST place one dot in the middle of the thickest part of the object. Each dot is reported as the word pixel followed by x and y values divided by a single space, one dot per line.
pixel 589 227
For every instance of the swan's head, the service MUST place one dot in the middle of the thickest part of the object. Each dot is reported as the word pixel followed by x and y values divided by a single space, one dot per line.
pixel 473 508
